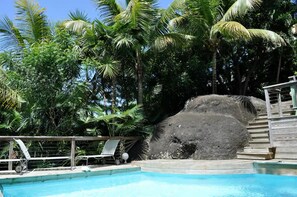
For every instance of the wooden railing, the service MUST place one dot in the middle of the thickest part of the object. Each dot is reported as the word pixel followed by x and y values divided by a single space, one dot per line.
pixel 66 146
pixel 281 105
pixel 277 95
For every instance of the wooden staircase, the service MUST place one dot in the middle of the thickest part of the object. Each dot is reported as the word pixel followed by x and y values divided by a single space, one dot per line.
pixel 259 145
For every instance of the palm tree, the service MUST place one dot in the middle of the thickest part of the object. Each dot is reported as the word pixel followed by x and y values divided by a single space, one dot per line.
pixel 137 27
pixel 96 46
pixel 32 26
pixel 212 25
pixel 143 27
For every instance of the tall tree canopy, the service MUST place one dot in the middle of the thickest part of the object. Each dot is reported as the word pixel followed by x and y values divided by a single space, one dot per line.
pixel 85 77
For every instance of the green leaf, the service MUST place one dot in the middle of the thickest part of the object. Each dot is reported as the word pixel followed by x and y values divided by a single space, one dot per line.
pixel 78 26
pixel 240 8
pixel 33 22
pixel 108 9
pixel 10 35
pixel 267 35
pixel 231 30
pixel 171 40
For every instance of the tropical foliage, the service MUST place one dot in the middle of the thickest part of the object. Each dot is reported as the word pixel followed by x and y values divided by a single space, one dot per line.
pixel 9 99
pixel 139 64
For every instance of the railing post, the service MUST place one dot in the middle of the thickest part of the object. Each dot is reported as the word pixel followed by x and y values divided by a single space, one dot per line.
pixel 72 154
pixel 267 100
pixel 293 93
pixel 268 105
pixel 10 153
pixel 279 100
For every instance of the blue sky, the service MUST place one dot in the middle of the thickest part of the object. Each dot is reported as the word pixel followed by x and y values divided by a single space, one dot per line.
pixel 57 10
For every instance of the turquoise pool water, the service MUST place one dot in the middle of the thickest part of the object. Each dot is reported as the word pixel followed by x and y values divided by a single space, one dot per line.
pixel 145 184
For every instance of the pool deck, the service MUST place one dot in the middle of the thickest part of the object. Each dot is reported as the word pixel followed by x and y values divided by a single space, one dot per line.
pixel 235 166
pixel 80 171
pixel 197 166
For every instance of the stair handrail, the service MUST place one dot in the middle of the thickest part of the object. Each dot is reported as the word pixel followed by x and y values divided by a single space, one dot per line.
pixel 277 88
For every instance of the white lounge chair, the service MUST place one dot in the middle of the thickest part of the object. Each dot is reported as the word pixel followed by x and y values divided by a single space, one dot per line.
pixel 24 161
pixel 108 150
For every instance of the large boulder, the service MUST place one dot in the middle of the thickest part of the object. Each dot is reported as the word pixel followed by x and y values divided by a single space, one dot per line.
pixel 259 104
pixel 239 107
pixel 209 127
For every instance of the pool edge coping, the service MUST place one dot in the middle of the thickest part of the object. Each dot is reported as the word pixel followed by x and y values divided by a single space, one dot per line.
pixel 36 178
pixel 256 167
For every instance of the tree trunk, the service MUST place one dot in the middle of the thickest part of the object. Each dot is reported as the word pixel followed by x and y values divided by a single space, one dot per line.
pixel 247 80
pixel 113 96
pixel 238 78
pixel 139 73
pixel 251 70
pixel 214 72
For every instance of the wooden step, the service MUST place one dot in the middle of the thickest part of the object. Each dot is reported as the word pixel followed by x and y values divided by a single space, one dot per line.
pixel 259 135
pixel 262 130
pixel 255 156
pixel 259 143
pixel 256 150
pixel 274 112
pixel 258 122
pixel 257 127
pixel 261 118
pixel 256 153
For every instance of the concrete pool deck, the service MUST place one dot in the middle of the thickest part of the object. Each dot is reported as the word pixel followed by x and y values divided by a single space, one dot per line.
pixel 49 174
pixel 235 166
pixel 186 166
pixel 197 166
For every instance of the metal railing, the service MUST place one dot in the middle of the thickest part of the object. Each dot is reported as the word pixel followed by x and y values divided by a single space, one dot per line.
pixel 58 146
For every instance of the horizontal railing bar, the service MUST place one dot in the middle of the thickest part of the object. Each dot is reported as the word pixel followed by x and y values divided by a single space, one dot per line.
pixel 281 85
pixel 65 138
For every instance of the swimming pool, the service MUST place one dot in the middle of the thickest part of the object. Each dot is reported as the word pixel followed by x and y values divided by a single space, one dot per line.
pixel 146 184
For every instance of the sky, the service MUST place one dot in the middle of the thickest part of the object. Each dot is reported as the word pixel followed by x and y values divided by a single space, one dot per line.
pixel 58 10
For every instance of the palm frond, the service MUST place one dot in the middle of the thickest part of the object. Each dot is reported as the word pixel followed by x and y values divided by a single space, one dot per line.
pixel 177 22
pixel 33 21
pixel 101 28
pixel 133 112
pixel 231 30
pixel 10 35
pixel 267 35
pixel 109 68
pixel 108 9
pixel 138 14
pixel 77 26
pixel 171 40
pixel 199 17
pixel 209 10
pixel 9 99
pixel 78 15
pixel 124 40
pixel 171 12
pixel 240 8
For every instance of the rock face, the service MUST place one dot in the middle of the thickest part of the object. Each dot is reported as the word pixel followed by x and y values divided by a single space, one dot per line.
pixel 209 127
